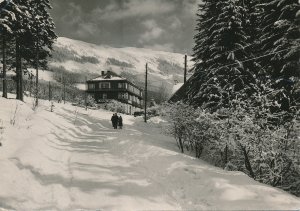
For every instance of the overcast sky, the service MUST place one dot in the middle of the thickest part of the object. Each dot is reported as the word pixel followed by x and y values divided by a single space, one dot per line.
pixel 157 24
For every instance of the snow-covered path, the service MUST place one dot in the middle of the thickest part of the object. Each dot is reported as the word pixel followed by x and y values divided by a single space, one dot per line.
pixel 99 172
pixel 72 159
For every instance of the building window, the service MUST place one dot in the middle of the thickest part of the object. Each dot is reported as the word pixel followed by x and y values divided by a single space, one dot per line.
pixel 104 96
pixel 122 95
pixel 104 85
pixel 122 85
pixel 91 86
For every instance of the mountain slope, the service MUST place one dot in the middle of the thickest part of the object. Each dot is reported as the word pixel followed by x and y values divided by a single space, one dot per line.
pixel 81 57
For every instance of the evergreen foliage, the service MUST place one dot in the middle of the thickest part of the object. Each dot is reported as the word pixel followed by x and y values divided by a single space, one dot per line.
pixel 280 39
pixel 28 24
pixel 218 53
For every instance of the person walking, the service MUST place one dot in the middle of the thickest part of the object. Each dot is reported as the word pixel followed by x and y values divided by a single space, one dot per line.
pixel 114 120
pixel 120 122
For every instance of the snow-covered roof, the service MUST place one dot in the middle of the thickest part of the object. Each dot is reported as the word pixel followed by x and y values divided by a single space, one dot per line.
pixel 176 87
pixel 112 78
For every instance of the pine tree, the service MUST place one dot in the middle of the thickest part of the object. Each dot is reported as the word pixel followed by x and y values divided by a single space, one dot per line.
pixel 220 74
pixel 42 36
pixel 6 18
pixel 280 38
pixel 20 28
pixel 207 17
pixel 32 30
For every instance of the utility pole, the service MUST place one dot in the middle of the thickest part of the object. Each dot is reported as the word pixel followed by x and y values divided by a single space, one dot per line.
pixel 85 94
pixel 146 84
pixel 64 90
pixel 37 70
pixel 4 67
pixel 185 67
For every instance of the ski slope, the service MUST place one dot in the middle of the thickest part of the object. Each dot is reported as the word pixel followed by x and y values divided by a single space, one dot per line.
pixel 72 159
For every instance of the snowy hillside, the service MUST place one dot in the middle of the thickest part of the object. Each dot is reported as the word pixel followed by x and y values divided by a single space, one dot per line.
pixel 81 57
pixel 72 159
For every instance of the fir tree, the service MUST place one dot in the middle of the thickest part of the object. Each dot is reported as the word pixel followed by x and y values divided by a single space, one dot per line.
pixel 42 36
pixel 220 73
pixel 6 18
pixel 20 28
pixel 280 39
pixel 32 30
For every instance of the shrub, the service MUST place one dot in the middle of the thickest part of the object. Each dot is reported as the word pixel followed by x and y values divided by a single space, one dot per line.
pixel 113 105
pixel 240 138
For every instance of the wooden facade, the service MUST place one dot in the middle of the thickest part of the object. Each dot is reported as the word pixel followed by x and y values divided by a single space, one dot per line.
pixel 110 86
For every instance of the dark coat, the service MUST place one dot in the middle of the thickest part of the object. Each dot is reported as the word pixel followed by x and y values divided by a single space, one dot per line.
pixel 114 119
pixel 120 121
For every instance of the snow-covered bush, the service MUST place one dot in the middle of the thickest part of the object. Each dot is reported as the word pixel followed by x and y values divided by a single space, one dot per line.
pixel 114 106
pixel 179 116
pixel 154 110
pixel 243 138
pixel 91 101
pixel 193 128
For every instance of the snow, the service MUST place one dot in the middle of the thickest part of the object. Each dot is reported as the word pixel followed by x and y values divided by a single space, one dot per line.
pixel 176 87
pixel 43 74
pixel 113 78
pixel 72 159
pixel 136 58
pixel 81 86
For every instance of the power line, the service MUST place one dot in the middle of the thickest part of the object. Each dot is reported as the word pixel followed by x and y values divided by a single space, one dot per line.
pixel 255 58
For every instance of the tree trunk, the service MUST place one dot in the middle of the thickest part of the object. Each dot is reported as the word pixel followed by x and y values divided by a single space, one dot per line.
pixel 4 67
pixel 21 75
pixel 181 144
pixel 37 73
pixel 225 155
pixel 17 70
pixel 247 162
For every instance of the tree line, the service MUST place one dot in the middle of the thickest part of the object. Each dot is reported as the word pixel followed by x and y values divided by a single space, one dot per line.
pixel 27 36
pixel 241 108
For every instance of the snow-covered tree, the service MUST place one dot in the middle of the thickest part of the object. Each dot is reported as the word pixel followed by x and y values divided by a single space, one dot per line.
pixel 32 29
pixel 280 39
pixel 42 36
pixel 6 18
pixel 221 73
pixel 206 17
pixel 20 28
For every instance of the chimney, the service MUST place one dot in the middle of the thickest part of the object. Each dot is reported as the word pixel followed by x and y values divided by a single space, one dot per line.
pixel 102 73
